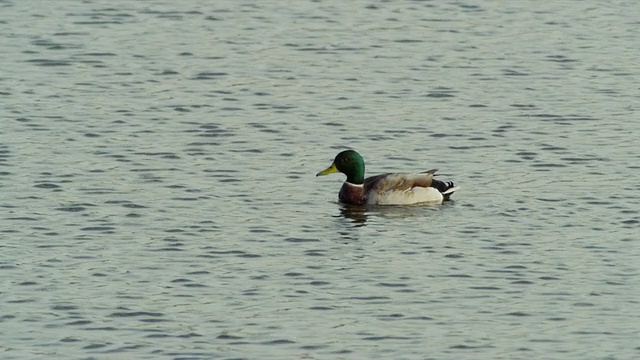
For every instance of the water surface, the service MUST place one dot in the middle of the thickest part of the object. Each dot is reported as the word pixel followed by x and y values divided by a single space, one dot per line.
pixel 157 165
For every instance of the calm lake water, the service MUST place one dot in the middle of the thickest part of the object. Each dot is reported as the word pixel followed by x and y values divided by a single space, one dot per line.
pixel 158 197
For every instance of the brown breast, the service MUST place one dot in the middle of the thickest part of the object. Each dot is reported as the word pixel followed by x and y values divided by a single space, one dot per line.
pixel 352 194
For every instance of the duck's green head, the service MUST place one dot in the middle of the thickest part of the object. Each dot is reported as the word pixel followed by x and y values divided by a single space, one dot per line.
pixel 348 162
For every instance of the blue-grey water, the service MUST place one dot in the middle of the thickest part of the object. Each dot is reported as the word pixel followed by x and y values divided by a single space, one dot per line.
pixel 158 198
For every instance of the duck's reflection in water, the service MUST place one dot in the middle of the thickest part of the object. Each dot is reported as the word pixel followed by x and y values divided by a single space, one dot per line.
pixel 359 215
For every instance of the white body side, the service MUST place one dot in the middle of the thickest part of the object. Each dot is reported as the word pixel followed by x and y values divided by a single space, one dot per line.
pixel 406 197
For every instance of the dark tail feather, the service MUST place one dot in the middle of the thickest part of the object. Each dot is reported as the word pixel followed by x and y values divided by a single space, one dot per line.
pixel 446 188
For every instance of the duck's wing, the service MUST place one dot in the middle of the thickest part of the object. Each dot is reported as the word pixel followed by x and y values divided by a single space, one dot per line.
pixel 391 182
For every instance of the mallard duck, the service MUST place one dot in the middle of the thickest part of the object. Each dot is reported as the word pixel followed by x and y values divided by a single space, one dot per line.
pixel 386 189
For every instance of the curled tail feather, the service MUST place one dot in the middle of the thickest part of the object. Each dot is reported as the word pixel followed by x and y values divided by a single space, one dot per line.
pixel 446 188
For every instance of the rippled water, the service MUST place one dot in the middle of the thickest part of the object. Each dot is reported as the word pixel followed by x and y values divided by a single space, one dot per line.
pixel 157 164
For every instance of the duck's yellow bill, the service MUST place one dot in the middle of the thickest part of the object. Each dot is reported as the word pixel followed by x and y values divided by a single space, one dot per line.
pixel 331 169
